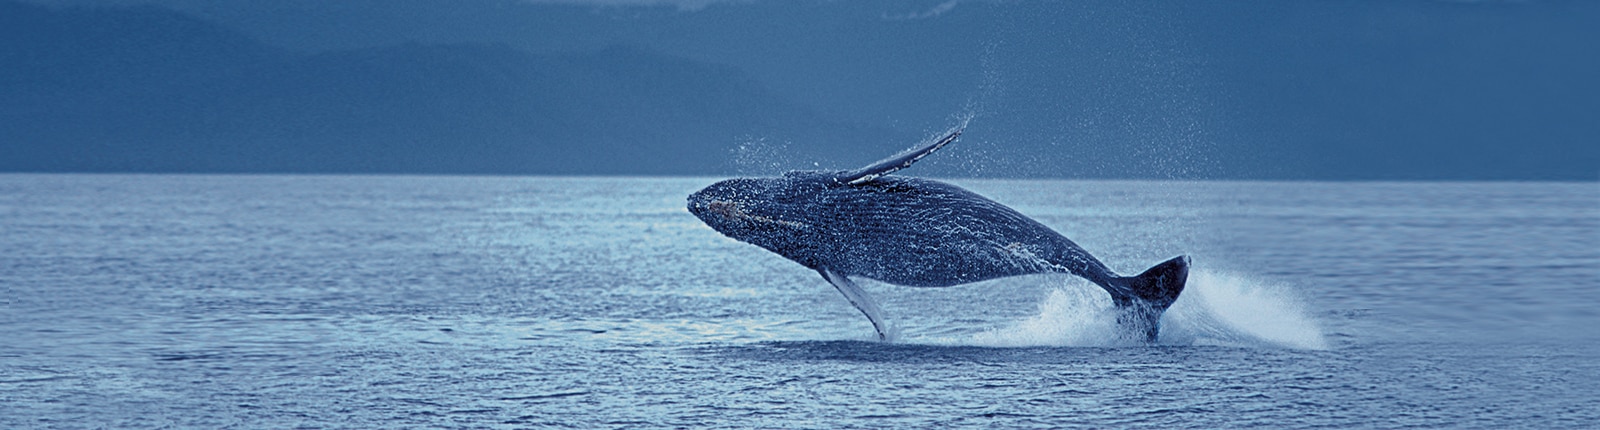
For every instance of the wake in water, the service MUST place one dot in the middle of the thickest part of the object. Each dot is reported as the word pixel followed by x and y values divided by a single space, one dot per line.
pixel 1215 309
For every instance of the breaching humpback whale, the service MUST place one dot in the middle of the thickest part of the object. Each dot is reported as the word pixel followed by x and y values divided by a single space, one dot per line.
pixel 916 232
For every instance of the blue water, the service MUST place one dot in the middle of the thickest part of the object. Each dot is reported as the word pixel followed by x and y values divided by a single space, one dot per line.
pixel 364 302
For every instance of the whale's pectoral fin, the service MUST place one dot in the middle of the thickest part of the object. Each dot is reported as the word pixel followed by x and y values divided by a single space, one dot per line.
pixel 858 298
pixel 897 161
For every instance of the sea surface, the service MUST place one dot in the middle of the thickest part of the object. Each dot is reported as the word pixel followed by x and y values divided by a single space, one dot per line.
pixel 193 301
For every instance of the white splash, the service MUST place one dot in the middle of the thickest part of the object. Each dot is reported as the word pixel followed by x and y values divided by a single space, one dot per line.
pixel 1069 316
pixel 1229 309
pixel 1215 309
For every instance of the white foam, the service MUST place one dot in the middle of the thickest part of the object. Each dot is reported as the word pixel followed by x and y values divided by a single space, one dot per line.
pixel 1215 309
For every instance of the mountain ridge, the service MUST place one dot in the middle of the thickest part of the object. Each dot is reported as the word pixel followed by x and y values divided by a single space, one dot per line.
pixel 151 90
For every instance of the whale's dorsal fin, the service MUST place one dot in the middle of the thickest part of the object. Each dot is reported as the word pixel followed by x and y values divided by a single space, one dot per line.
pixel 896 162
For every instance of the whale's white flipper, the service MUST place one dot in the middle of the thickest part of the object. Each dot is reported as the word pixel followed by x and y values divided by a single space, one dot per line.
pixel 857 297
pixel 897 161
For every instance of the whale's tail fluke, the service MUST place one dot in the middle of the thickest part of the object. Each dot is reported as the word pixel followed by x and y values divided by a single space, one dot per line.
pixel 1147 295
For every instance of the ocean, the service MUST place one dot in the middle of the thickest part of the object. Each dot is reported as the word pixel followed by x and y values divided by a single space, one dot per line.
pixel 283 301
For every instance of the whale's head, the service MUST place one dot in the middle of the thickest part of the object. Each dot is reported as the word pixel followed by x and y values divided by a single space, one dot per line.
pixel 774 213
pixel 791 215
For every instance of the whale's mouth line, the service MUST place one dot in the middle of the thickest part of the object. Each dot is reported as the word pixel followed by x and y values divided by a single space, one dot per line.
pixel 733 210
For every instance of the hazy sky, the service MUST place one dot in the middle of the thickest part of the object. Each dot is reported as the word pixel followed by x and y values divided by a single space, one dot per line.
pixel 1278 90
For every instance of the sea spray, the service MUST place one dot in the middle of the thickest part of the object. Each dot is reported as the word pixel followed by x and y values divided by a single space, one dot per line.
pixel 1215 309
pixel 1230 309
pixel 1069 316
pixel 758 155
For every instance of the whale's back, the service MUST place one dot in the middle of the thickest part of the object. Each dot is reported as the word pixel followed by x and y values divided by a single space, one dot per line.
pixel 926 233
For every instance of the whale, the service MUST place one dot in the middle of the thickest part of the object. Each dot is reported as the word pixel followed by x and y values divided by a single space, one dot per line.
pixel 915 232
